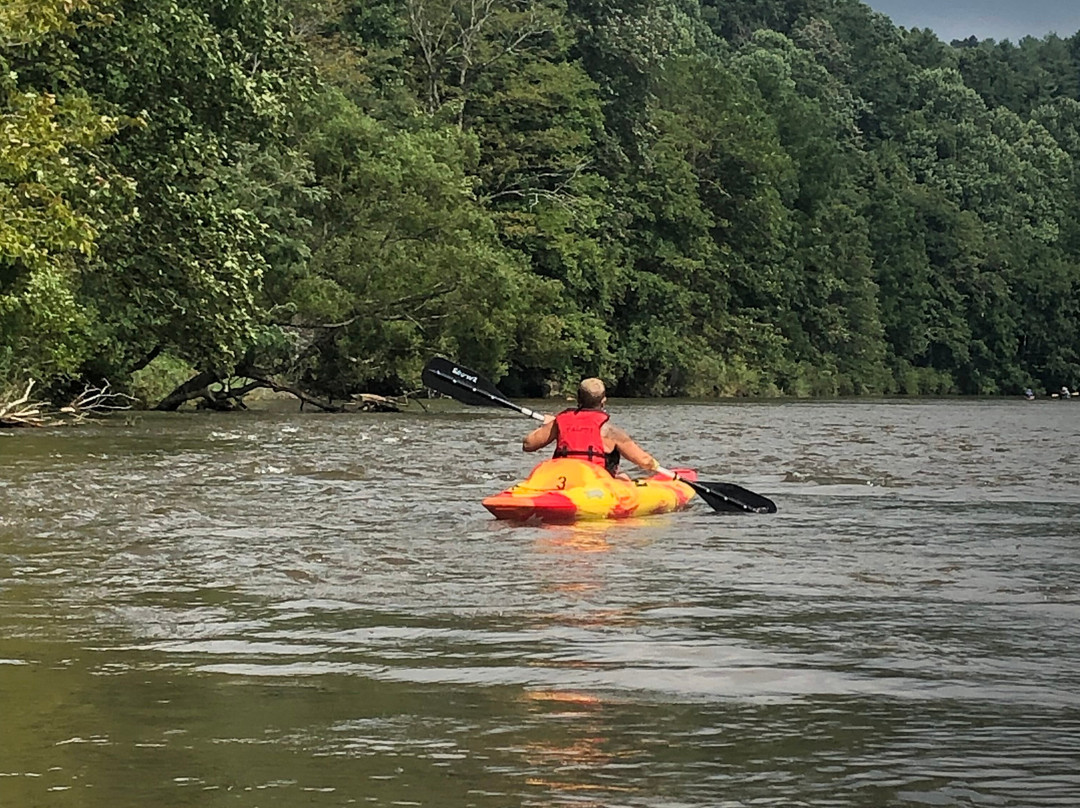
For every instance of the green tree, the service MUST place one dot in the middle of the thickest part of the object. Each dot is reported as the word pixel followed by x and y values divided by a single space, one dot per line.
pixel 405 261
pixel 209 82
pixel 54 201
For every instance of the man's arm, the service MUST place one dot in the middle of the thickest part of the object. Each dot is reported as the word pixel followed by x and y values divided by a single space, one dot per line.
pixel 630 450
pixel 541 436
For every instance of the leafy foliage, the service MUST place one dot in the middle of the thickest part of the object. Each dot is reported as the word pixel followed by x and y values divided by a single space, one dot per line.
pixel 683 196
pixel 54 200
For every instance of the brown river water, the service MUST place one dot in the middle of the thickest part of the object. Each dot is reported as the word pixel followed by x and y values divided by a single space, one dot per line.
pixel 295 609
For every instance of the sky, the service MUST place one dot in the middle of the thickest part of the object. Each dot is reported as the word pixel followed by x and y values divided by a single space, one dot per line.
pixel 986 19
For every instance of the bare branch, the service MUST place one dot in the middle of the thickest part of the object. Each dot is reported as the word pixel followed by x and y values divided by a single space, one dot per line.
pixel 92 402
pixel 293 391
pixel 387 310
pixel 458 38
pixel 560 194
pixel 95 402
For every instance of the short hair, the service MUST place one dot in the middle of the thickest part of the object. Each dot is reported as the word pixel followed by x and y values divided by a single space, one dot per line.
pixel 590 393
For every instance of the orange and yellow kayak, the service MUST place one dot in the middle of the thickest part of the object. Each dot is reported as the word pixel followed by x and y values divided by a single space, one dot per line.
pixel 566 490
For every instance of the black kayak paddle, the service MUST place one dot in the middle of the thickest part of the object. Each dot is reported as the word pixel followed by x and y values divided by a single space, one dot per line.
pixel 469 387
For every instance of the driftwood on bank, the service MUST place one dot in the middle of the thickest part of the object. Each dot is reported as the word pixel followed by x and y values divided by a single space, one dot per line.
pixel 22 411
pixel 369 402
pixel 92 402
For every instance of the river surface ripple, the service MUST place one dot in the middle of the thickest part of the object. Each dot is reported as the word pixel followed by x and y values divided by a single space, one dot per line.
pixel 283 609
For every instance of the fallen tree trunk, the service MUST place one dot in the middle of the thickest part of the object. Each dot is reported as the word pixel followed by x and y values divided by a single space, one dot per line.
pixel 197 386
pixel 212 391
pixel 201 388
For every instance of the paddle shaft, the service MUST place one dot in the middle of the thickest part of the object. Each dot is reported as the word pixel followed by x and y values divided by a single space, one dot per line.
pixel 462 379
pixel 701 490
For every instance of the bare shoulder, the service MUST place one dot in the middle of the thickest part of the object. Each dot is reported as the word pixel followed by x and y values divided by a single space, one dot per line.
pixel 613 432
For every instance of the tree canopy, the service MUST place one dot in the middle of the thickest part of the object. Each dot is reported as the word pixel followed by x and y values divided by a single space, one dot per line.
pixel 685 197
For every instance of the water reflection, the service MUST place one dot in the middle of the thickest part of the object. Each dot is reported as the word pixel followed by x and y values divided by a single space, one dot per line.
pixel 583 537
pixel 573 756
pixel 578 751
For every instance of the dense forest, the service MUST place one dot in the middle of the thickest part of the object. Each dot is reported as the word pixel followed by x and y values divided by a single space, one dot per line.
pixel 686 197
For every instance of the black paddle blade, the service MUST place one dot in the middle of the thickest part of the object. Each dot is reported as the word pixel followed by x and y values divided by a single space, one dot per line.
pixel 731 498
pixel 458 382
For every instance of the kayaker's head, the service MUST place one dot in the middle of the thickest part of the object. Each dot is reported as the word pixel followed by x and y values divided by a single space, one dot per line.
pixel 591 394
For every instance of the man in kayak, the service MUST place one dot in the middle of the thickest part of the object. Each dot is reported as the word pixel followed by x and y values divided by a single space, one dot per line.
pixel 587 434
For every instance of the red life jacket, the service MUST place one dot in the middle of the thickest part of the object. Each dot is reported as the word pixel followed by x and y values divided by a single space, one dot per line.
pixel 579 436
